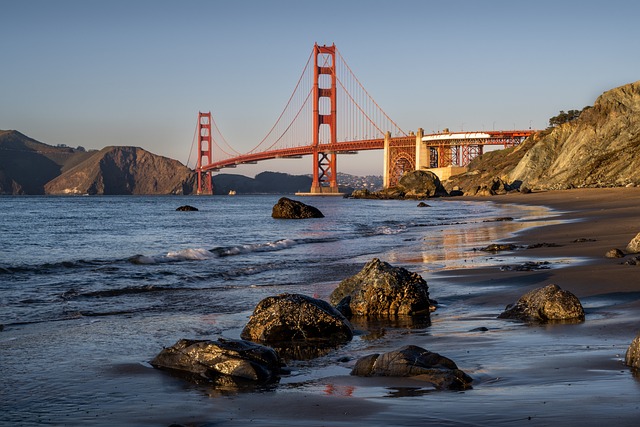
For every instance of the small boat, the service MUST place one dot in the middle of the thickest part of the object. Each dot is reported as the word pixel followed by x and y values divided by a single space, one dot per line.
pixel 232 192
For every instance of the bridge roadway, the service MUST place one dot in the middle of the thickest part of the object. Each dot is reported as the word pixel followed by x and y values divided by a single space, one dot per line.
pixel 451 139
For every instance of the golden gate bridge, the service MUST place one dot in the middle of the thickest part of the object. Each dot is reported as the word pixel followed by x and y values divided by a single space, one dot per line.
pixel 330 113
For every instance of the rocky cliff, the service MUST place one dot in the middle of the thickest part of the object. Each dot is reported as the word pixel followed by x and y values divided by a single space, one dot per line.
pixel 124 170
pixel 601 148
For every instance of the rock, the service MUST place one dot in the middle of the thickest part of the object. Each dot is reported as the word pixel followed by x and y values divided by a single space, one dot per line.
pixel 187 208
pixel 633 261
pixel 417 363
pixel 421 184
pixel 423 205
pixel 381 289
pixel 293 209
pixel 634 245
pixel 549 303
pixel 220 361
pixel 632 357
pixel 614 253
pixel 287 318
pixel 497 247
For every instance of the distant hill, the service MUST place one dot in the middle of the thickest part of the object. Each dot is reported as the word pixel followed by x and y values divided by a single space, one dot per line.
pixel 26 165
pixel 599 148
pixel 124 170
pixel 263 183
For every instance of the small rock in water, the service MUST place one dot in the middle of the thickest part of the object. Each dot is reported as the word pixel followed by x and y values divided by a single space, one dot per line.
pixel 417 363
pixel 497 247
pixel 293 209
pixel 423 205
pixel 614 253
pixel 549 303
pixel 187 208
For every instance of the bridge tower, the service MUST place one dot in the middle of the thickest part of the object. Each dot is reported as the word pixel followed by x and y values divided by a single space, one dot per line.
pixel 204 178
pixel 324 119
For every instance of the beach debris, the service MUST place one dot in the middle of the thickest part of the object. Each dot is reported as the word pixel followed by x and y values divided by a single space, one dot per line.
pixel 296 318
pixel 583 240
pixel 286 208
pixel 417 363
pixel 543 245
pixel 634 245
pixel 549 303
pixel 187 208
pixel 380 289
pixel 614 253
pixel 223 362
pixel 497 247
pixel 527 266
pixel 632 357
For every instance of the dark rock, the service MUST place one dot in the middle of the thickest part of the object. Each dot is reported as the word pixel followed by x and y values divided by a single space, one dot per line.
pixel 381 289
pixel 220 361
pixel 421 184
pixel 525 190
pixel 295 318
pixel 549 303
pixel 633 261
pixel 543 245
pixel 497 247
pixel 527 266
pixel 423 205
pixel 632 357
pixel 293 209
pixel 634 245
pixel 186 208
pixel 614 253
pixel 417 363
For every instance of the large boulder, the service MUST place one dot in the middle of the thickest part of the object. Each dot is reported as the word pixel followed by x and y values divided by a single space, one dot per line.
pixel 549 303
pixel 421 184
pixel 634 245
pixel 293 209
pixel 632 358
pixel 417 363
pixel 296 318
pixel 381 289
pixel 222 362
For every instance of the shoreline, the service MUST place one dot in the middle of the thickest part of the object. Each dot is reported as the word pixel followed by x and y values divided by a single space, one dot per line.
pixel 541 374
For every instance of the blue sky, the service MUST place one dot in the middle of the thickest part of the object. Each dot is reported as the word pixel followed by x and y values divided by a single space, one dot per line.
pixel 98 73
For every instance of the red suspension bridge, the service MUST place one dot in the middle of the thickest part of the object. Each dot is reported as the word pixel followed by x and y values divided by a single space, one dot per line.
pixel 309 125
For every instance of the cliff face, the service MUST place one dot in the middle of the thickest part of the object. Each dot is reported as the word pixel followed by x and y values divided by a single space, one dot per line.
pixel 601 148
pixel 124 170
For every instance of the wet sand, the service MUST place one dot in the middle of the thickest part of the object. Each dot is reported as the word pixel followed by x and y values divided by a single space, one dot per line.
pixel 535 375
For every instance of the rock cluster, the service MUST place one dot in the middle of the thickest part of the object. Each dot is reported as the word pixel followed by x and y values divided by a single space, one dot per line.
pixel 549 303
pixel 381 289
pixel 296 317
pixel 221 361
pixel 418 184
pixel 417 363
pixel 286 208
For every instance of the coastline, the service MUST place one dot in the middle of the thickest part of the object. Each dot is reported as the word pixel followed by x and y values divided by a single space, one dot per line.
pixel 538 375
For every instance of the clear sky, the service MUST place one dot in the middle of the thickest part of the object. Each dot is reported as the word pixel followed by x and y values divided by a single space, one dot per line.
pixel 136 72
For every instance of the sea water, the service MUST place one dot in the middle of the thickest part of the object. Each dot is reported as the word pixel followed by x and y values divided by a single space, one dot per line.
pixel 92 288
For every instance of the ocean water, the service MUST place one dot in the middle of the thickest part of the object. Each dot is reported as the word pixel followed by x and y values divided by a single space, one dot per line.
pixel 92 288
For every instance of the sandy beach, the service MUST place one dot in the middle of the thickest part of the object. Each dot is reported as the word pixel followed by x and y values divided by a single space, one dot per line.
pixel 523 375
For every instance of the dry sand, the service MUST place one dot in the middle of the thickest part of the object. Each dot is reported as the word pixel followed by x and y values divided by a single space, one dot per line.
pixel 563 375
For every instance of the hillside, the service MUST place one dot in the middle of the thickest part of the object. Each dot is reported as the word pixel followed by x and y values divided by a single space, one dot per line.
pixel 26 165
pixel 601 148
pixel 124 170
